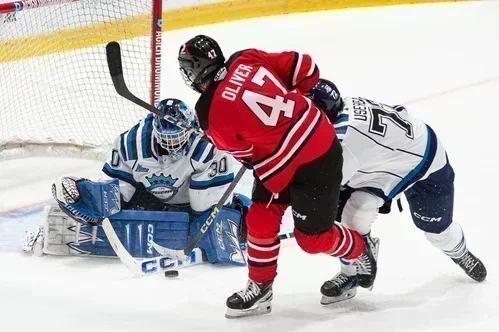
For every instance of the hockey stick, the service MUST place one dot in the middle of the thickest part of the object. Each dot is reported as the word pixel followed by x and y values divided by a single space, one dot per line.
pixel 183 254
pixel 113 54
pixel 150 266
pixel 147 266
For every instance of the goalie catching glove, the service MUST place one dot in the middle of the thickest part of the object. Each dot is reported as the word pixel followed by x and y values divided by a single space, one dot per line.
pixel 85 201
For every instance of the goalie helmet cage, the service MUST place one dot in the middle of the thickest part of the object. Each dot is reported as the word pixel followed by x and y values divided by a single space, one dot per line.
pixel 56 94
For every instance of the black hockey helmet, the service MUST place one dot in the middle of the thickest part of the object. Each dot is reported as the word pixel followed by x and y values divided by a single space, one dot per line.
pixel 326 96
pixel 199 60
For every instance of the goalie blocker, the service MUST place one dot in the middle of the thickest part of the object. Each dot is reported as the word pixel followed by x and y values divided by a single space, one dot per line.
pixel 61 234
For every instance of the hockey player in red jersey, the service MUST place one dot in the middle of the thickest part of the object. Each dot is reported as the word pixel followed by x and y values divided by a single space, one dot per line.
pixel 252 106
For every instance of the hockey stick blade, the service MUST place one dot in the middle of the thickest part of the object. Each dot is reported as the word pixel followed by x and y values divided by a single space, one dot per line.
pixel 114 62
pixel 148 266
pixel 163 251
pixel 113 54
pixel 183 254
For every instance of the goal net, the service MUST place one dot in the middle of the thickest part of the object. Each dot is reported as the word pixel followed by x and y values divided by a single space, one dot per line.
pixel 56 94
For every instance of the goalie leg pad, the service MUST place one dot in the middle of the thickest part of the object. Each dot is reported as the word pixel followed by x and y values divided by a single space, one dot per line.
pixel 138 229
pixel 62 233
pixel 221 242
pixel 135 229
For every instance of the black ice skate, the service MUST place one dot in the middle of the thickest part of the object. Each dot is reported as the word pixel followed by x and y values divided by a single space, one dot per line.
pixel 367 263
pixel 473 267
pixel 254 299
pixel 342 287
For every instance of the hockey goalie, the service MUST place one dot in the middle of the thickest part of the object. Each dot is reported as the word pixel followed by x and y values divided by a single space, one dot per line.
pixel 159 184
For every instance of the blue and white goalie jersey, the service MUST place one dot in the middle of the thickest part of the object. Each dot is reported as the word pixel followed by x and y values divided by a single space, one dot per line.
pixel 385 149
pixel 199 177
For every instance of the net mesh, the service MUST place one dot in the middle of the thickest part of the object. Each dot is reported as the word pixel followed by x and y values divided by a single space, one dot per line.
pixel 55 87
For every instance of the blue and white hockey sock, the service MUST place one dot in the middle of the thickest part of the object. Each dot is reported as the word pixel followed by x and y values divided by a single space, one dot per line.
pixel 451 241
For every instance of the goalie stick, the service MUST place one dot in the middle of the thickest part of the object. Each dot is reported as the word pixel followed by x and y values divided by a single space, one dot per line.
pixel 147 266
pixel 150 266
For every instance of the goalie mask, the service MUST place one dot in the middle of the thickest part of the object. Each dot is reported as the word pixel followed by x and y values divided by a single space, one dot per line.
pixel 171 138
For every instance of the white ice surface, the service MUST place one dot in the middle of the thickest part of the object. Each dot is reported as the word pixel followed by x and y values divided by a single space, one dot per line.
pixel 441 60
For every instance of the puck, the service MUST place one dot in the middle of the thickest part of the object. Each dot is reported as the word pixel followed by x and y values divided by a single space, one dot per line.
pixel 171 274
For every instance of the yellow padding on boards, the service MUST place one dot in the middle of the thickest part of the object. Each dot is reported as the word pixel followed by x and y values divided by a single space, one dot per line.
pixel 71 39
pixel 243 9
pixel 76 38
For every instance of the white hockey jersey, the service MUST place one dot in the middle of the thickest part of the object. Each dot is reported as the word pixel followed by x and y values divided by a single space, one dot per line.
pixel 385 149
pixel 198 178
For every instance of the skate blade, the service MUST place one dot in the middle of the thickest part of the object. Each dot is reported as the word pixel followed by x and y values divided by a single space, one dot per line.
pixel 326 300
pixel 257 310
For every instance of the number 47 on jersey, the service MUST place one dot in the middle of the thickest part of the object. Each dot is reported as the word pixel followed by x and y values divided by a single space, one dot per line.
pixel 277 105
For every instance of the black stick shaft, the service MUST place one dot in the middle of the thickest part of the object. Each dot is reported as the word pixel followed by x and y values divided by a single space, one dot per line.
pixel 215 211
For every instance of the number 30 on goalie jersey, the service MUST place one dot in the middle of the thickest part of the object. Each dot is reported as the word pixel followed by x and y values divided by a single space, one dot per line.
pixel 198 178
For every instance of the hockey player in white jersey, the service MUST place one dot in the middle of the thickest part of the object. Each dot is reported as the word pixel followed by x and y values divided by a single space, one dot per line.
pixel 387 152
pixel 153 166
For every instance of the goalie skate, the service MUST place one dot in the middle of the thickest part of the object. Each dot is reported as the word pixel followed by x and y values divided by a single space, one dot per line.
pixel 255 299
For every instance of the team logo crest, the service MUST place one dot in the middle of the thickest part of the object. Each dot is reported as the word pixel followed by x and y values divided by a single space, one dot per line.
pixel 162 186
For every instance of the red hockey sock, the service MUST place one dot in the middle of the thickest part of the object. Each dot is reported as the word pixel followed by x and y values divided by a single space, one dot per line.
pixel 338 241
pixel 262 259
pixel 263 242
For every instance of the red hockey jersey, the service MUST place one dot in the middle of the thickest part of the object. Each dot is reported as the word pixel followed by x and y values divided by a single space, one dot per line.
pixel 255 110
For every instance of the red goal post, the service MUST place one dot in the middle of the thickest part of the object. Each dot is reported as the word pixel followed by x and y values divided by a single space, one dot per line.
pixel 56 95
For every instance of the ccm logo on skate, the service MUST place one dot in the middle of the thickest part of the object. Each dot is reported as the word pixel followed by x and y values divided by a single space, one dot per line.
pixel 427 219
pixel 297 215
